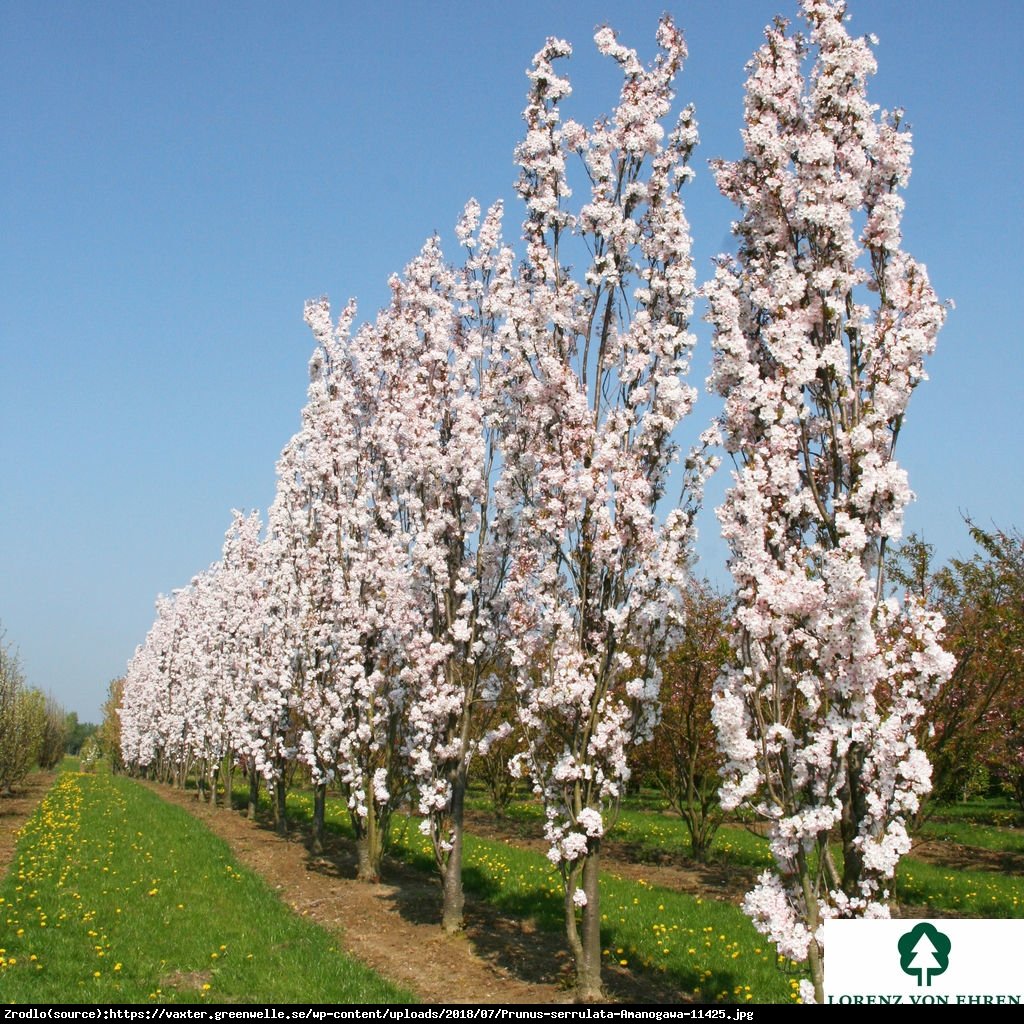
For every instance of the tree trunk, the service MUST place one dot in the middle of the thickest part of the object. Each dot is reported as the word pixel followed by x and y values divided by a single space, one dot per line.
pixel 369 858
pixel 817 971
pixel 369 848
pixel 454 897
pixel 254 794
pixel 280 807
pixel 700 848
pixel 585 941
pixel 229 779
pixel 214 773
pixel 854 812
pixel 319 810
pixel 814 958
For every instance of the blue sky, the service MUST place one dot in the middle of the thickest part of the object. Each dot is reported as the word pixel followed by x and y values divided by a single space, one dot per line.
pixel 176 179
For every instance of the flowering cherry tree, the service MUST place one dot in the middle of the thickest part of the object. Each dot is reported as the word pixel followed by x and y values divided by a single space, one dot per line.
pixel 592 393
pixel 315 480
pixel 345 568
pixel 434 421
pixel 152 719
pixel 246 650
pixel 821 326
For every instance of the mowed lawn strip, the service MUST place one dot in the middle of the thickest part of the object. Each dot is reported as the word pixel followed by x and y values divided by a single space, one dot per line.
pixel 966 892
pixel 116 896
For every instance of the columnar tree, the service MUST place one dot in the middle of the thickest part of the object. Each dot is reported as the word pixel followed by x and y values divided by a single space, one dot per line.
pixel 436 418
pixel 314 479
pixel 239 636
pixel 821 324
pixel 22 720
pixel 54 735
pixel 593 393
pixel 108 735
pixel 344 564
pixel 207 679
pixel 153 716
pixel 141 693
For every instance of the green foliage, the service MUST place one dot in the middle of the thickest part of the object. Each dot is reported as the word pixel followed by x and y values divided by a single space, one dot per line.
pixel 490 767
pixel 109 732
pixel 118 897
pixel 90 755
pixel 683 759
pixel 78 732
pixel 22 721
pixel 54 736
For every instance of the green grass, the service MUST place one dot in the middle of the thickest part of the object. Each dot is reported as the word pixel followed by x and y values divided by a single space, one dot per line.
pixel 969 833
pixel 965 893
pixel 707 947
pixel 653 832
pixel 976 893
pixel 115 896
pixel 997 811
pixel 646 825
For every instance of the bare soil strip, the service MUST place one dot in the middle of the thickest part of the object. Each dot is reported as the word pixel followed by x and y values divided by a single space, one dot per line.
pixel 16 809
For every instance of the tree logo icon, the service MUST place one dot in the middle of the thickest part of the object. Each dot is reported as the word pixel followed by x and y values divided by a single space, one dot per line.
pixel 924 952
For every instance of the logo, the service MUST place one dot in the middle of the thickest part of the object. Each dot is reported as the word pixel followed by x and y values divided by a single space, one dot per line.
pixel 924 952
pixel 951 961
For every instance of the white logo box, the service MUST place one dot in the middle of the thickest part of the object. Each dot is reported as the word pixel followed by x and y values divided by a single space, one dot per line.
pixel 941 961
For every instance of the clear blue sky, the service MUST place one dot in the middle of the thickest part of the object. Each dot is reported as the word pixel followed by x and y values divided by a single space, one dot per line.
pixel 177 178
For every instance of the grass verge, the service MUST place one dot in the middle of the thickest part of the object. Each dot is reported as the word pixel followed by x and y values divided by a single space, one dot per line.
pixel 115 896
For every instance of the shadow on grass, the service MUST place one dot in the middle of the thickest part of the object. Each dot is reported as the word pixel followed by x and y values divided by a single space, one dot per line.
pixel 517 929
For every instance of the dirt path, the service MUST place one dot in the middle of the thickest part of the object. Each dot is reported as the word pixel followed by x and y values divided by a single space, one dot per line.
pixel 393 927
pixel 15 810
pixel 968 858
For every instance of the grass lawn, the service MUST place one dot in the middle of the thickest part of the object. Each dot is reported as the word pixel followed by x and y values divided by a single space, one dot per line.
pixel 115 896
pixel 985 824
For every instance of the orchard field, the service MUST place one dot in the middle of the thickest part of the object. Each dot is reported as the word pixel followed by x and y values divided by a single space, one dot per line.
pixel 457 718
pixel 115 895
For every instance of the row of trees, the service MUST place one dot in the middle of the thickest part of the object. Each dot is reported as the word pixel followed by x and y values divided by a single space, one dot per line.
pixel 473 511
pixel 34 728
pixel 468 512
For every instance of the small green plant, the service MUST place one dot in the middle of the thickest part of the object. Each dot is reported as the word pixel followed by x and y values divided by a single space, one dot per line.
pixel 89 755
